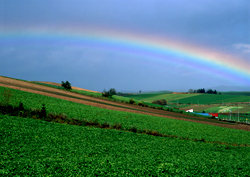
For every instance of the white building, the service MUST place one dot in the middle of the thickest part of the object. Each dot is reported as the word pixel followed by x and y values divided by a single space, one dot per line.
pixel 190 110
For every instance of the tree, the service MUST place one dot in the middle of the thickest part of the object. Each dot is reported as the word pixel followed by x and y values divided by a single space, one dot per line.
pixel 112 91
pixel 66 85
pixel 109 93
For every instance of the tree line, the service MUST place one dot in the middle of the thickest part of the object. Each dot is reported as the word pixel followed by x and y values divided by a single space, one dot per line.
pixel 202 90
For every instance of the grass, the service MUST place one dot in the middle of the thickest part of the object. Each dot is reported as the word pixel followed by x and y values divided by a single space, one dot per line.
pixel 156 96
pixel 38 148
pixel 128 120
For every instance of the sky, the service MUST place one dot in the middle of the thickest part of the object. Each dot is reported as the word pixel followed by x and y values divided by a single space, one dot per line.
pixel 131 45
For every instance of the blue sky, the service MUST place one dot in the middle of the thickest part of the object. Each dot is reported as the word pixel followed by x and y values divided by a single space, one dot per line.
pixel 223 25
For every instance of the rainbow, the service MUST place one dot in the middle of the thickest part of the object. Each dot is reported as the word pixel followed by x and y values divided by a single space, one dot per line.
pixel 156 48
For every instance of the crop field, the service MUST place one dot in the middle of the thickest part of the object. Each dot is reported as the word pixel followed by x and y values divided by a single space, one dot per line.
pixel 237 93
pixel 162 125
pixel 218 108
pixel 34 147
pixel 168 96
pixel 195 98
pixel 213 99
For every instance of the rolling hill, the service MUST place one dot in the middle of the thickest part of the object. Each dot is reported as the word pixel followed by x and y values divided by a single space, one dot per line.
pixel 147 141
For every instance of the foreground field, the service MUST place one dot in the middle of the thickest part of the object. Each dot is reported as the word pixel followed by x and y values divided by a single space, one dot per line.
pixel 34 147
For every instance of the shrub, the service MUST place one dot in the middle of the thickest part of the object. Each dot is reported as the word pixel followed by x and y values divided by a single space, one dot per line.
pixel 66 85
pixel 109 93
pixel 105 125
pixel 131 101
pixel 20 107
pixel 133 129
pixel 117 126
pixel 160 102
pixel 43 113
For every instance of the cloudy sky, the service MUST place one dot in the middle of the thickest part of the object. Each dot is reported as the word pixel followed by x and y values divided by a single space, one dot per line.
pixel 129 45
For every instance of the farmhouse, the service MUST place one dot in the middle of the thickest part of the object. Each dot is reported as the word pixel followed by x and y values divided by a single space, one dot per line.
pixel 190 110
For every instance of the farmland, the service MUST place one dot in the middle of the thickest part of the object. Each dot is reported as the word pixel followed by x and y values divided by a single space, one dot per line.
pixel 231 101
pixel 194 98
pixel 36 147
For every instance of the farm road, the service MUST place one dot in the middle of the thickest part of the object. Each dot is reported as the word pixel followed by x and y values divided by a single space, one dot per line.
pixel 106 104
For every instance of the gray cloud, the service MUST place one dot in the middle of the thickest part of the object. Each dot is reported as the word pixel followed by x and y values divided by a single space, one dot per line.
pixel 223 25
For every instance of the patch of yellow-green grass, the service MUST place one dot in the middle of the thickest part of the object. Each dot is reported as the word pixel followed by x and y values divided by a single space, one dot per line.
pixel 170 97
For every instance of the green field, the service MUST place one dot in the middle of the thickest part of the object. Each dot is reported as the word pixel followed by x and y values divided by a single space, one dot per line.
pixel 156 96
pixel 213 99
pixel 193 98
pixel 35 147
pixel 162 125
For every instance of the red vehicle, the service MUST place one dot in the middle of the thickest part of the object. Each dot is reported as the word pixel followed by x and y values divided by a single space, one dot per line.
pixel 216 115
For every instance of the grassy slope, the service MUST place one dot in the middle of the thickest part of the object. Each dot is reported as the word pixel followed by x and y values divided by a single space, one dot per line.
pixel 162 125
pixel 168 96
pixel 34 147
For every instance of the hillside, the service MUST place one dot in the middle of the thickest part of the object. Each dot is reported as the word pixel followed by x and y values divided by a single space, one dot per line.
pixel 116 138
pixel 226 101
pixel 103 103
pixel 194 98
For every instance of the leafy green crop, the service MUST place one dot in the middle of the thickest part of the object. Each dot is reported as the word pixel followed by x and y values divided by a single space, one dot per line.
pixel 128 120
pixel 38 148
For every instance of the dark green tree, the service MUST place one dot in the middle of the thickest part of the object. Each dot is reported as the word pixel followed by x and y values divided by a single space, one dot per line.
pixel 66 85
pixel 109 93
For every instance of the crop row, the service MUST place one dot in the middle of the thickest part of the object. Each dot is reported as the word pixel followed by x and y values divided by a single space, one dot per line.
pixel 35 148
pixel 162 125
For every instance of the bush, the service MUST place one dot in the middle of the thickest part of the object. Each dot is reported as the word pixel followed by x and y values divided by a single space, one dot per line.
pixel 43 113
pixel 109 93
pixel 131 101
pixel 133 129
pixel 141 104
pixel 117 126
pixel 66 85
pixel 160 102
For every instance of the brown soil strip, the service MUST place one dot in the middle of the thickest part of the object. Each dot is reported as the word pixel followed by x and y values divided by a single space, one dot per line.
pixel 75 88
pixel 48 91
